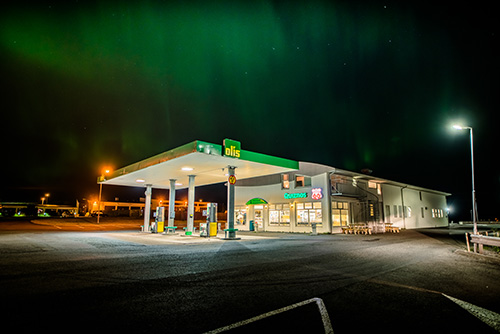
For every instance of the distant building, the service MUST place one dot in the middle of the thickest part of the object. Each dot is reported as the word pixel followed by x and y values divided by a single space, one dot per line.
pixel 136 209
pixel 28 209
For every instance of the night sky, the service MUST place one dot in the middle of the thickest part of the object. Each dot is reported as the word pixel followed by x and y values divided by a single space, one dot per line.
pixel 349 84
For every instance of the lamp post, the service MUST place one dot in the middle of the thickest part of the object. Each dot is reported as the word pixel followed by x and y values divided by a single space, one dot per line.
pixel 459 127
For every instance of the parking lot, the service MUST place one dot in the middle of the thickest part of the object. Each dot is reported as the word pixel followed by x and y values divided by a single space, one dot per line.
pixel 125 280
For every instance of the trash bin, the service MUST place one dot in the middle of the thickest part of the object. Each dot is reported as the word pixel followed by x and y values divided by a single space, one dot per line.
pixel 213 229
pixel 251 226
pixel 314 232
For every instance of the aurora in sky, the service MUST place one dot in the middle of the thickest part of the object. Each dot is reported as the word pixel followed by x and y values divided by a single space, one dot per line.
pixel 349 84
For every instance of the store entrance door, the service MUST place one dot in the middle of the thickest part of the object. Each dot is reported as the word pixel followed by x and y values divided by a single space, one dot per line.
pixel 258 217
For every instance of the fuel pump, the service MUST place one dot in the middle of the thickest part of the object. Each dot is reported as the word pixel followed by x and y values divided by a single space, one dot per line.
pixel 212 219
pixel 159 220
pixel 209 228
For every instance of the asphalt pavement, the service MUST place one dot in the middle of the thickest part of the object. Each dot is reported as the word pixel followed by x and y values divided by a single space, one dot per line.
pixel 122 280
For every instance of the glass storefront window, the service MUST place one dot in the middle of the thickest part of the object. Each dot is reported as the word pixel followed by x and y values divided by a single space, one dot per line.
pixel 285 215
pixel 302 217
pixel 279 214
pixel 340 213
pixel 241 215
pixel 335 217
pixel 308 213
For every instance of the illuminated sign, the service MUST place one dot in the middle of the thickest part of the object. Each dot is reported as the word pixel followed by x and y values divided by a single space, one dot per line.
pixel 232 148
pixel 316 193
pixel 295 195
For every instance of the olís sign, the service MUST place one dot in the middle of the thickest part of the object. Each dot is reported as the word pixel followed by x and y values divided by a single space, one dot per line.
pixel 232 148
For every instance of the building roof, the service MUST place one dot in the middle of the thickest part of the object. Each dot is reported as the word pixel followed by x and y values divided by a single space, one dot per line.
pixel 370 178
pixel 209 163
pixel 313 169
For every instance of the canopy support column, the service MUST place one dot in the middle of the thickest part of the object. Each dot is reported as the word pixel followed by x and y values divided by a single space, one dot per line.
pixel 171 204
pixel 231 235
pixel 147 207
pixel 190 217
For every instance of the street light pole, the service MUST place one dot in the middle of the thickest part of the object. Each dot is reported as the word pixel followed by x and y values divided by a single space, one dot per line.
pixel 474 204
pixel 101 179
pixel 99 203
pixel 474 213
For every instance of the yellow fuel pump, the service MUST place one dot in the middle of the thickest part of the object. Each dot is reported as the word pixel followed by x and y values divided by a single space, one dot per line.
pixel 159 220
pixel 210 228
pixel 212 219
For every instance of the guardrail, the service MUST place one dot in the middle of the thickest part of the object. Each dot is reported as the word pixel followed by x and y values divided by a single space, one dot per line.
pixel 470 222
pixel 481 240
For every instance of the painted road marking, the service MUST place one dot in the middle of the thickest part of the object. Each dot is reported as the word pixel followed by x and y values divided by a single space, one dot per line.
pixel 490 318
pixel 327 325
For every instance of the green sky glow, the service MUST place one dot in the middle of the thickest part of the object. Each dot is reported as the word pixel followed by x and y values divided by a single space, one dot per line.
pixel 342 83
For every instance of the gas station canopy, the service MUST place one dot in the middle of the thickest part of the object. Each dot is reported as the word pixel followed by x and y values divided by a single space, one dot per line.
pixel 208 162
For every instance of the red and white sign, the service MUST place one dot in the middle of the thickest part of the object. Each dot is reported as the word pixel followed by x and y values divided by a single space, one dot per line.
pixel 317 193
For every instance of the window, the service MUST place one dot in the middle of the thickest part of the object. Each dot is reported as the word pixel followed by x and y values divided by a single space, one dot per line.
pixel 437 213
pixel 340 205
pixel 279 214
pixel 285 181
pixel 302 181
pixel 372 184
pixel 340 213
pixel 241 215
pixel 422 210
pixel 395 210
pixel 299 181
pixel 308 213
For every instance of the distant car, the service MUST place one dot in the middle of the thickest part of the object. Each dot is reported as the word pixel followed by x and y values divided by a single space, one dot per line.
pixel 101 214
pixel 67 214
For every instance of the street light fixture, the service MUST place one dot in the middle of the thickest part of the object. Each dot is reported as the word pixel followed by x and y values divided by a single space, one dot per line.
pixel 459 127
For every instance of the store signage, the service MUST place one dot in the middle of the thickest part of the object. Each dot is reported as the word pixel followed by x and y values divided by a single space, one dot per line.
pixel 232 148
pixel 316 193
pixel 295 195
